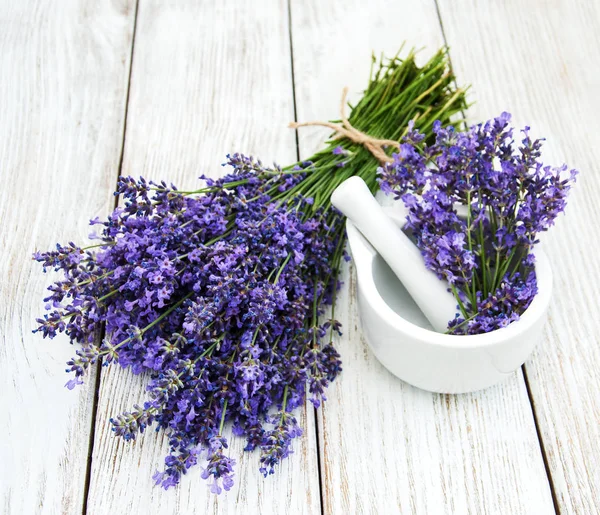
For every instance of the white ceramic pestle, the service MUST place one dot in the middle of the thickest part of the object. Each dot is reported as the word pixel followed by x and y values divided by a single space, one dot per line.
pixel 431 294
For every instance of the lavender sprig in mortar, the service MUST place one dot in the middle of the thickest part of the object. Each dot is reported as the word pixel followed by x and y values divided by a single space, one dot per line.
pixel 509 196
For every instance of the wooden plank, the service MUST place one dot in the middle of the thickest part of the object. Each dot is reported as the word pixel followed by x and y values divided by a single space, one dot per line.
pixel 540 60
pixel 387 447
pixel 208 79
pixel 64 68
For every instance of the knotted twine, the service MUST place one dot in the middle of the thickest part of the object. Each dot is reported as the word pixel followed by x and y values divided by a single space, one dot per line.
pixel 345 130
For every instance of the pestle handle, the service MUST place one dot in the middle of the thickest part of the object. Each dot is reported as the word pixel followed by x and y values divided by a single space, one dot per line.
pixel 354 199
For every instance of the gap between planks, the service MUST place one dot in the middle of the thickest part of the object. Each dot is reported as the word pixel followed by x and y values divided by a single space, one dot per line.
pixel 541 440
pixel 315 413
pixel 88 470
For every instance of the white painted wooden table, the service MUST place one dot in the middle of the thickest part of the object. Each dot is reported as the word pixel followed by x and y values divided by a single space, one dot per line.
pixel 90 89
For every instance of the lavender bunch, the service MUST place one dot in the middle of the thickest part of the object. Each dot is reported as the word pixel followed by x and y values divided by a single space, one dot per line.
pixel 219 293
pixel 477 203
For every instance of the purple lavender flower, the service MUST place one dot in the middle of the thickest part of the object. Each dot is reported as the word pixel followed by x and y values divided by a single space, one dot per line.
pixel 276 444
pixel 509 197
pixel 213 294
pixel 219 467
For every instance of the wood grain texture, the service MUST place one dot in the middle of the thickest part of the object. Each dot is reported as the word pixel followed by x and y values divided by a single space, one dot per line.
pixel 540 61
pixel 208 78
pixel 64 68
pixel 387 447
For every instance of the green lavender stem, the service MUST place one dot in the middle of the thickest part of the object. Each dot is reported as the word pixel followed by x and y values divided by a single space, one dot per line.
pixel 398 91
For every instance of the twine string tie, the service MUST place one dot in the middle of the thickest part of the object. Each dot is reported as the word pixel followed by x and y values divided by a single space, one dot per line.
pixel 345 130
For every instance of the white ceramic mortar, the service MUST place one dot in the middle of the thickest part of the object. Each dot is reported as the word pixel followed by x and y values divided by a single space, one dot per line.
pixel 402 338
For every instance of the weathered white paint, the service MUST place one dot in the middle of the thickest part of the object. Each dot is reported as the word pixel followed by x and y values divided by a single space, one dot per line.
pixel 387 447
pixel 214 78
pixel 208 79
pixel 64 69
pixel 539 60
